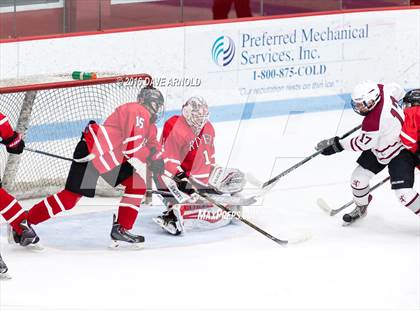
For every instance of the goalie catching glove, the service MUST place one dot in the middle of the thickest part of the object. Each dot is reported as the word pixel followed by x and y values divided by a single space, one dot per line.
pixel 227 180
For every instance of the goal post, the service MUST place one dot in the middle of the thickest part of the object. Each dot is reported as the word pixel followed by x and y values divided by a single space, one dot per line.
pixel 52 116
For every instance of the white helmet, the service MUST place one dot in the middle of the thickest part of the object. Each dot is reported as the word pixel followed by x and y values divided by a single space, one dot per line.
pixel 196 113
pixel 364 97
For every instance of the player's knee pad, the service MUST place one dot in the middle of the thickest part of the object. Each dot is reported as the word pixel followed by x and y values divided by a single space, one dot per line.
pixel 82 177
pixel 361 177
pixel 360 185
pixel 409 198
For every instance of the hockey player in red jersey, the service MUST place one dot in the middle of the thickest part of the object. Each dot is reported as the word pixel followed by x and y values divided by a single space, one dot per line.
pixel 188 143
pixel 10 208
pixel 380 144
pixel 128 133
pixel 410 133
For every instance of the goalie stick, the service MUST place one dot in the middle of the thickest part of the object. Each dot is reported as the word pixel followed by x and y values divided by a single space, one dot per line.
pixel 207 197
pixel 324 206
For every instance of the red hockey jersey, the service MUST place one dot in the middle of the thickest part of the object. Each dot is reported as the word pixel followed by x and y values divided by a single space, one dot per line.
pixel 410 132
pixel 6 130
pixel 126 133
pixel 183 151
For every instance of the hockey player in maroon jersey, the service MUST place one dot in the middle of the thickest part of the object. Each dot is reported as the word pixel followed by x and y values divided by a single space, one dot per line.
pixel 128 133
pixel 380 144
pixel 10 208
pixel 188 143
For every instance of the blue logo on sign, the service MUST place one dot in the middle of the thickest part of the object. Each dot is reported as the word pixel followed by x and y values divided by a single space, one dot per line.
pixel 223 51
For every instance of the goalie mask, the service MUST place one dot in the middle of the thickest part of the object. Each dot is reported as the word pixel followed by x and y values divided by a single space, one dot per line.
pixel 364 97
pixel 196 113
pixel 412 98
pixel 152 99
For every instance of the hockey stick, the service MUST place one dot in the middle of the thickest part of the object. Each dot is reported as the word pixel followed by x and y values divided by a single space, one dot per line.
pixel 324 206
pixel 207 197
pixel 81 160
pixel 56 156
pixel 270 183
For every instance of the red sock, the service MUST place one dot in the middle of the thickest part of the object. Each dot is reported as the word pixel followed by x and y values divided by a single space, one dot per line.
pixel 11 210
pixel 135 188
pixel 52 205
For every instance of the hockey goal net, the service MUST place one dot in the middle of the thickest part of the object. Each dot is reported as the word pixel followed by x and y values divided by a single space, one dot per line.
pixel 52 116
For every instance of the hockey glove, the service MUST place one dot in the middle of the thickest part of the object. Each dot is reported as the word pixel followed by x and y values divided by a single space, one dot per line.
pixel 14 144
pixel 155 162
pixel 329 146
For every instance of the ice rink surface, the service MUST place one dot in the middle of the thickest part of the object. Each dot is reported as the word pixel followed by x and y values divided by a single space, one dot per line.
pixel 373 264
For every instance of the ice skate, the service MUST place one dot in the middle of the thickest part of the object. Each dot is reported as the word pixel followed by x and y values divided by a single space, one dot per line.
pixel 121 237
pixel 171 221
pixel 3 270
pixel 357 213
pixel 28 238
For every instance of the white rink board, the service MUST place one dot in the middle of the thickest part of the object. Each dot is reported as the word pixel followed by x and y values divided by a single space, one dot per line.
pixel 386 52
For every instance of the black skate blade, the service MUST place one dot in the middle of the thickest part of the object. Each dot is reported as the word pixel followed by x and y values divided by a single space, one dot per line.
pixel 122 245
pixel 37 247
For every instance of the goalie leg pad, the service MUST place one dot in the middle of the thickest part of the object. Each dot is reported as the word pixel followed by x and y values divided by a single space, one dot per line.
pixel 82 177
pixel 204 217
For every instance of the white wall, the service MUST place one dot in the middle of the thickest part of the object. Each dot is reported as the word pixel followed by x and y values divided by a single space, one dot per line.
pixel 388 49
